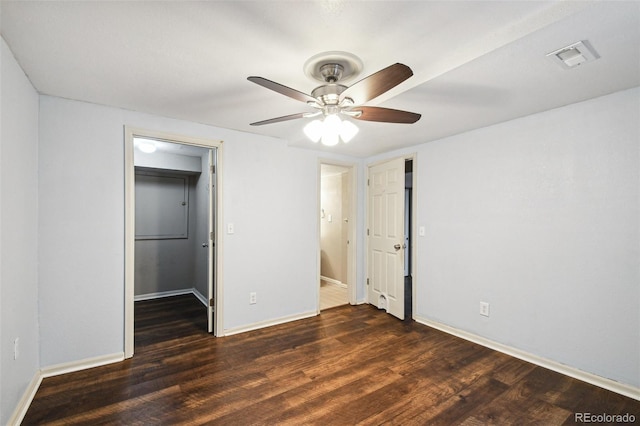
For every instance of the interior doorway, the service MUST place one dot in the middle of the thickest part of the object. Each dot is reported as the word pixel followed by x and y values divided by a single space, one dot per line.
pixel 337 235
pixel 171 210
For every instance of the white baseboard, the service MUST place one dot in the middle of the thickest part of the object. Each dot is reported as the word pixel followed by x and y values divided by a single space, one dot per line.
pixel 161 294
pixel 263 324
pixel 55 370
pixel 83 364
pixel 333 281
pixel 612 385
pixel 24 403
pixel 200 297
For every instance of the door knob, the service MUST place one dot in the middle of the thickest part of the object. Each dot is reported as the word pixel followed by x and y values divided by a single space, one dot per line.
pixel 205 245
pixel 397 247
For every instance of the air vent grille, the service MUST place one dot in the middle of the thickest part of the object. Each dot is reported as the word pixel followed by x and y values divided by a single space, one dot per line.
pixel 574 55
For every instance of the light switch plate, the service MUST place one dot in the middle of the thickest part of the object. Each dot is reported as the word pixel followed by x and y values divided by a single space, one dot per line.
pixel 484 309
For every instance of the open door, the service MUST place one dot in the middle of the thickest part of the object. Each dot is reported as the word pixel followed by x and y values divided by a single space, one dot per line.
pixel 212 242
pixel 385 232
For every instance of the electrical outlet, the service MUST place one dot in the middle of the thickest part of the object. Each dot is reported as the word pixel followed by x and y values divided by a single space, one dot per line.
pixel 484 309
pixel 252 298
pixel 16 348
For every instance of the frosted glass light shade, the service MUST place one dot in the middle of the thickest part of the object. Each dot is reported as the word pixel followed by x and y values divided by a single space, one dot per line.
pixel 332 124
pixel 331 131
pixel 313 130
pixel 348 130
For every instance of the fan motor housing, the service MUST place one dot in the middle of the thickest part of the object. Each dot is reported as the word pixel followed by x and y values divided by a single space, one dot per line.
pixel 328 94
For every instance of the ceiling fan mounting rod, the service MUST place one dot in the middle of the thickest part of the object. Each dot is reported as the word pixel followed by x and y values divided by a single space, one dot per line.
pixel 331 72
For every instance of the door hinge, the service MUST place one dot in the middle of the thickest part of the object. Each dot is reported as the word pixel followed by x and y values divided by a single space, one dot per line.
pixel 367 281
pixel 211 302
pixel 367 182
pixel 367 231
pixel 212 168
pixel 211 235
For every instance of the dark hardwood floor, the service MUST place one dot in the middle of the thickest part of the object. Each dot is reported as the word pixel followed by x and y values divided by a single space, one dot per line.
pixel 350 365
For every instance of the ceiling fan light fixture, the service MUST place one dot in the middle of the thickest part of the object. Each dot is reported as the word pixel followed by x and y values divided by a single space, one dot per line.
pixel 331 130
pixel 333 98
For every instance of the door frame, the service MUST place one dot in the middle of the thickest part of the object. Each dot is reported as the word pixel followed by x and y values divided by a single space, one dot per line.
pixel 413 228
pixel 352 174
pixel 129 227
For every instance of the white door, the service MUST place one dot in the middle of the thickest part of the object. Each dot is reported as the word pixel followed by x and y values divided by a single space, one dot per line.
pixel 212 243
pixel 386 237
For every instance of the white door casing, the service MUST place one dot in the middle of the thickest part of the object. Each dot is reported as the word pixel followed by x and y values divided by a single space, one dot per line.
pixel 386 237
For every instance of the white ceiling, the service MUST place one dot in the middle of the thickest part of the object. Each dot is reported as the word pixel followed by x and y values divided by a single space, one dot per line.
pixel 475 63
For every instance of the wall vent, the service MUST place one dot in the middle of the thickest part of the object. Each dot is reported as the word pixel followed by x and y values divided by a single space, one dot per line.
pixel 574 55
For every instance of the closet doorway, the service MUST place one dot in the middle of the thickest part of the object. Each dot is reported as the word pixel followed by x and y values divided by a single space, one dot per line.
pixel 171 210
pixel 337 235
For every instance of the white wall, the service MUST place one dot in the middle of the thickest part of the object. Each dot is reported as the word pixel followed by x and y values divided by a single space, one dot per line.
pixel 270 193
pixel 168 264
pixel 333 239
pixel 18 233
pixel 539 217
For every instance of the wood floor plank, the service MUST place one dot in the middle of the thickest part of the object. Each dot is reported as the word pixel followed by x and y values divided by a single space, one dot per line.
pixel 349 365
pixel 460 405
pixel 515 407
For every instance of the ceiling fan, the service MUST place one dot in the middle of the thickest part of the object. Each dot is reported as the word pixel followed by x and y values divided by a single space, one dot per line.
pixel 333 98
